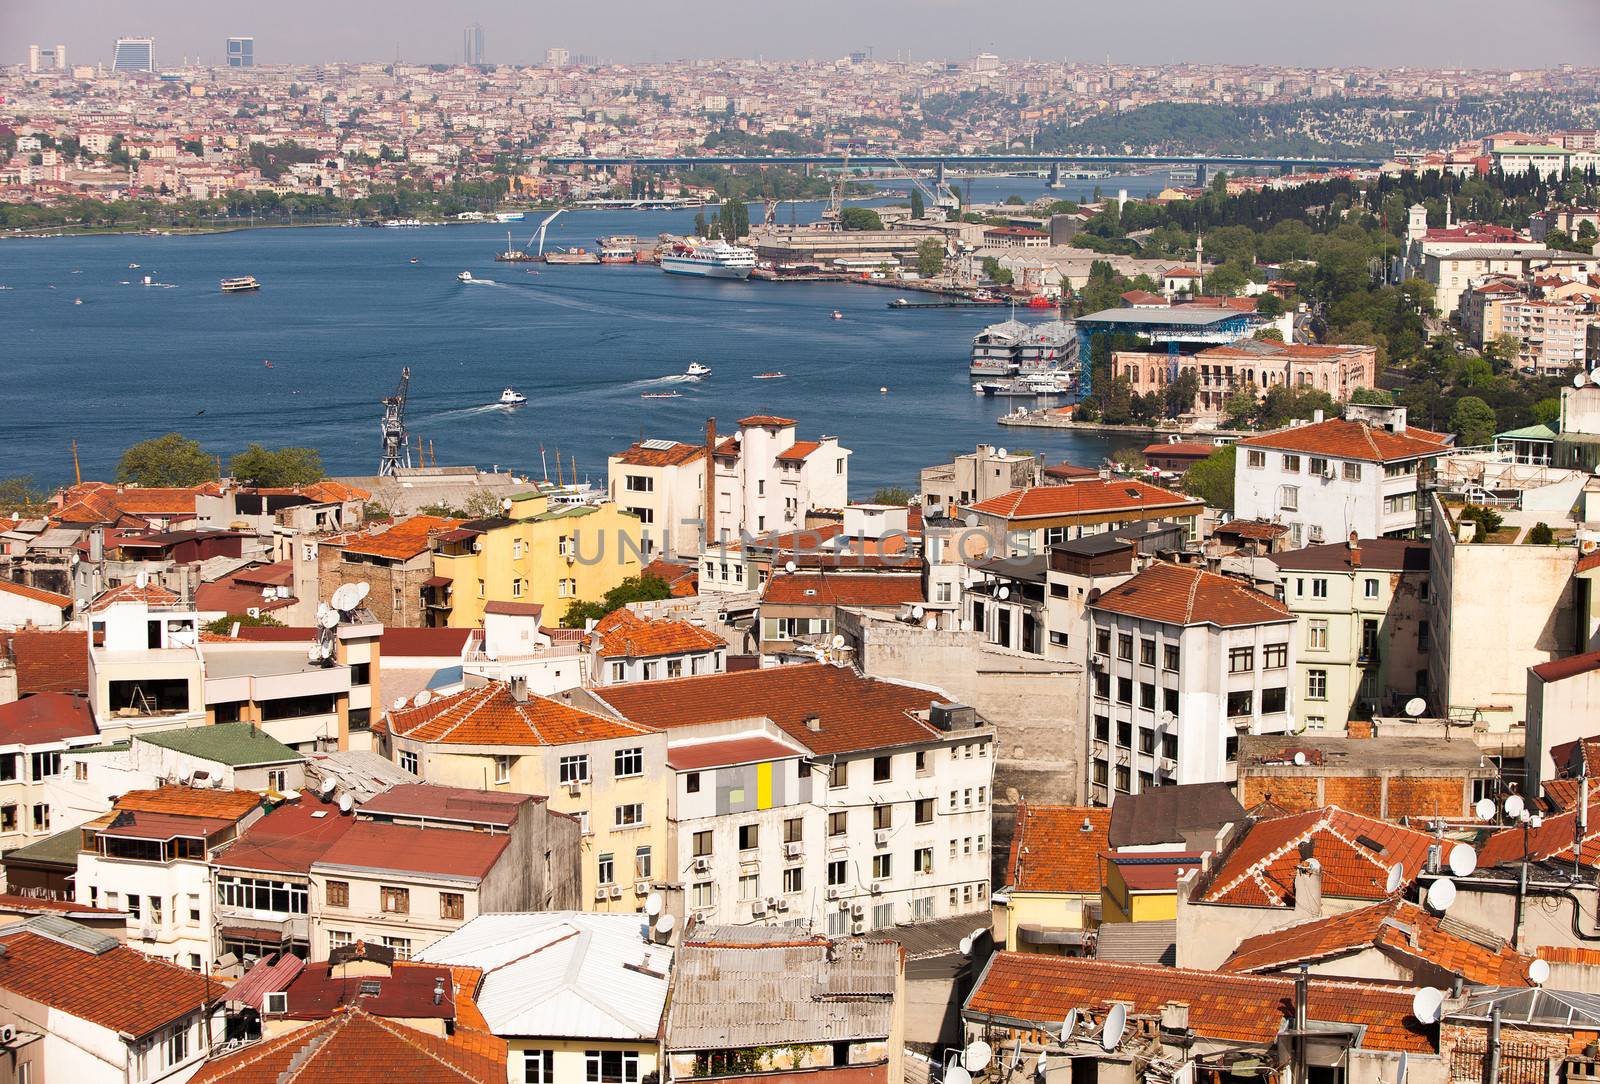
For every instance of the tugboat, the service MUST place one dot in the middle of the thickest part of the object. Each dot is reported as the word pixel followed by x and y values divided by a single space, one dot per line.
pixel 512 397
pixel 696 369
pixel 240 285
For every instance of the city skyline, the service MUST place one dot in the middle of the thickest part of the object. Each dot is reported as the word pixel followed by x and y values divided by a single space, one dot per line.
pixel 1429 33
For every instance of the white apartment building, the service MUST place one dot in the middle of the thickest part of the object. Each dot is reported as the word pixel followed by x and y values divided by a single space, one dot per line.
pixel 1362 473
pixel 1553 334
pixel 1362 626
pixel 767 479
pixel 663 482
pixel 1182 662
pixel 35 733
pixel 809 792
pixel 145 669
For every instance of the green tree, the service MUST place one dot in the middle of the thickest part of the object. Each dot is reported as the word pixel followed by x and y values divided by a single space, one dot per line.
pixel 632 589
pixel 1503 351
pixel 1271 306
pixel 1372 396
pixel 1181 393
pixel 859 218
pixel 1547 412
pixel 893 495
pixel 1269 334
pixel 1211 479
pixel 1473 421
pixel 223 625
pixel 995 273
pixel 171 460
pixel 1226 280
pixel 930 257
pixel 273 469
pixel 1240 407
pixel 918 208
pixel 1129 459
pixel 19 497
pixel 1540 534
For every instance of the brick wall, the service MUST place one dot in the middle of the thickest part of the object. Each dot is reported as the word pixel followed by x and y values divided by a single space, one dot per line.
pixel 1407 796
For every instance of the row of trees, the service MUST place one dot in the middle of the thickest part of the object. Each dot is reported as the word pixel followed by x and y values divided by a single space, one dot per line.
pixel 175 460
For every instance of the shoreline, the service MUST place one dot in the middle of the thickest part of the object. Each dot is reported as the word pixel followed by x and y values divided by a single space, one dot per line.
pixel 1043 419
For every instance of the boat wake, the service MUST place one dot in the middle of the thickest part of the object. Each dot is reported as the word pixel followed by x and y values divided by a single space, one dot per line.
pixel 467 412
pixel 659 381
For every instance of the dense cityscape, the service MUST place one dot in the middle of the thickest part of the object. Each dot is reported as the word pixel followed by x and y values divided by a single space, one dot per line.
pixel 837 571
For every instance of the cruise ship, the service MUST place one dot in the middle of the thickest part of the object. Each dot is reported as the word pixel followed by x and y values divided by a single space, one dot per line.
pixel 709 259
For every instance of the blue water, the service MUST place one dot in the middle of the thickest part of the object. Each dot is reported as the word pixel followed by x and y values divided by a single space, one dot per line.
pixel 342 310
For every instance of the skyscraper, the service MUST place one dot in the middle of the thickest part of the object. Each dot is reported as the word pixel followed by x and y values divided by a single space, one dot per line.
pixel 241 52
pixel 472 45
pixel 557 57
pixel 134 55
pixel 44 58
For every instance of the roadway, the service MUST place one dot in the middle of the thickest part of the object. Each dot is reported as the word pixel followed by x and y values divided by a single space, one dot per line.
pixel 1042 160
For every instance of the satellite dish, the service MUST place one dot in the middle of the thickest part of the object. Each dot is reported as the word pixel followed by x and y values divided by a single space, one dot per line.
pixel 1484 809
pixel 1539 972
pixel 966 946
pixel 421 699
pixel 1535 821
pixel 917 612
pixel 837 641
pixel 1002 453
pixel 1579 379
pixel 957 1075
pixel 346 803
pixel 325 788
pixel 1441 894
pixel 313 653
pixel 346 597
pixel 1040 1066
pixel 930 623
pixel 1515 805
pixel 399 702
pixel 1299 760
pixel 652 904
pixel 506 504
pixel 664 924
pixel 1069 1025
pixel 972 519
pixel 141 580
pixel 328 619
pixel 1116 1024
pixel 1397 874
pixel 1004 592
pixel 1400 1070
pixel 1463 860
pixel 1425 1004
pixel 362 591
pixel 788 566
pixel 1416 706
pixel 976 1057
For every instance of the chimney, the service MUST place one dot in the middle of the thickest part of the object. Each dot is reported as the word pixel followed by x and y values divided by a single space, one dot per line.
pixel 1175 1016
pixel 814 723
pixel 1355 550
pixel 97 545
pixel 710 499
pixel 519 688
pixel 1316 416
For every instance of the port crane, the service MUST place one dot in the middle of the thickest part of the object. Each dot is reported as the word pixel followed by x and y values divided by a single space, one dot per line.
pixel 836 193
pixel 551 217
pixel 396 449
pixel 940 195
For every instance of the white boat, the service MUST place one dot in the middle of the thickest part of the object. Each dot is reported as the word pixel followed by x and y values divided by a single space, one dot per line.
pixel 696 369
pixel 709 259
pixel 837 315
pixel 512 397
pixel 465 276
pixel 767 376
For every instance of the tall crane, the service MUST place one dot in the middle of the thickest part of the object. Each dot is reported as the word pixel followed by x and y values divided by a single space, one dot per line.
pixel 543 226
pixel 396 452
pixel 836 193
pixel 939 196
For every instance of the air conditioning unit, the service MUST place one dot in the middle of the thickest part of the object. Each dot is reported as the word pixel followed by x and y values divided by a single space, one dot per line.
pixel 254 611
pixel 616 892
pixel 845 905
pixel 783 905
pixel 881 837
pixel 1329 473
pixel 574 789
pixel 856 910
pixel 758 908
pixel 702 865
pixel 877 888
pixel 641 888
pixel 8 1034
pixel 601 893
pixel 792 850
pixel 275 1003
pixel 833 892
pixel 858 926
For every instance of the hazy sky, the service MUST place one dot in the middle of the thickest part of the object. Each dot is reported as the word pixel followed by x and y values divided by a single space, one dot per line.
pixel 1475 33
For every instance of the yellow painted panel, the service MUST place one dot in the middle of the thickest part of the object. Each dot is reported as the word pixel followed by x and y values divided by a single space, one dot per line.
pixel 764 785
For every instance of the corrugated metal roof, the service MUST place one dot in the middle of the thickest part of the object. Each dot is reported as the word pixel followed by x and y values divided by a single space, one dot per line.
pixel 563 973
pixel 1138 942
pixel 733 995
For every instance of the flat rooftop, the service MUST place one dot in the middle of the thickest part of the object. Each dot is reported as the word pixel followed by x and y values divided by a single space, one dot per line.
pixel 1397 754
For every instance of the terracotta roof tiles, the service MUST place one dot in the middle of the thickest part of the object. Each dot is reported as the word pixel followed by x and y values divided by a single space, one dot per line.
pixel 22 590
pixel 1056 848
pixel 842 589
pixel 191 802
pixel 642 455
pixel 624 634
pixel 771 420
pixel 51 661
pixel 1189 595
pixel 1342 439
pixel 490 715
pixel 440 852
pixel 403 540
pixel 152 595
pixel 1087 498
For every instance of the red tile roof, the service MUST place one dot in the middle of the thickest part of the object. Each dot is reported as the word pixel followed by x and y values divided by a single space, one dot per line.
pixel 682 577
pixel 123 990
pixel 1341 439
pixel 456 805
pixel 1397 928
pixel 766 420
pixel 1355 852
pixel 45 717
pixel 842 589
pixel 1234 1008
pixel 103 502
pixel 717 754
pixel 1087 498
pixel 1554 839
pixel 1189 595
pixel 33 594
pixel 1152 871
pixel 403 540
pixel 51 661
pixel 853 712
pixel 1056 848
pixel 799 450
pixel 490 715
pixel 1569 667
pixel 152 595
pixel 624 634
pixel 441 852
pixel 353 1045
pixel 288 839
pixel 405 993
pixel 638 455
pixel 179 801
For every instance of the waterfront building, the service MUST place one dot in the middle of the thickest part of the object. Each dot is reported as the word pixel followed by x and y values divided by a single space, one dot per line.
pixel 663 483
pixel 134 55
pixel 1027 521
pixel 241 52
pixel 1262 364
pixel 974 477
pixel 766 479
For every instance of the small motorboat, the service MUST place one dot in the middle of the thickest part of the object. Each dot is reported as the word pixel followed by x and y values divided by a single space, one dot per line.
pixel 465 276
pixel 415 260
pixel 512 397
pixel 133 267
pixel 836 315
pixel 268 364
pixel 767 376
pixel 899 303
pixel 661 395
pixel 696 369
pixel 77 301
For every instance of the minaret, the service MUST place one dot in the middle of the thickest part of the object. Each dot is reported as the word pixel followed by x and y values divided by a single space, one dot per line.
pixel 1449 213
pixel 1199 252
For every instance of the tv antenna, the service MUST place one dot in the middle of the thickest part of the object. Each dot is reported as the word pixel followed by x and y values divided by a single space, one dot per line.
pixel 396 452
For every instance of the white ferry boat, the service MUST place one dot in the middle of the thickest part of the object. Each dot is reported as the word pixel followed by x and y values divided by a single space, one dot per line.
pixel 512 397
pixel 696 369
pixel 995 348
pixel 709 259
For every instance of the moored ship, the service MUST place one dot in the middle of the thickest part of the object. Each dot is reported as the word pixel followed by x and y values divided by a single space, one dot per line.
pixel 622 248
pixel 994 349
pixel 236 285
pixel 708 259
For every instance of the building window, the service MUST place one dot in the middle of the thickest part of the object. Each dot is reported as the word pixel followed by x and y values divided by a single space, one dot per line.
pixel 1319 466
pixel 1317 635
pixel 924 811
pixel 1239 703
pixel 1124 690
pixel 1423 638
pixel 1319 588
pixel 1316 685
pixel 794 830
pixel 606 869
pixel 836 872
pixel 408 762
pixel 452 905
pixel 178 1044
pixel 749 886
pixel 704 893
pixel 1291 464
pixel 1289 498
pixel 41 817
pixel 339 939
pixel 1102 641
pixel 338 893
pixel 794 880
pixel 502 769
pixel 1124 779
pixel 839 774
pixel 1370 588
pixel 1316 722
pixel 574 769
pixel 882 817
pixel 1241 660
pixel 749 837
pixel 838 822
pixel 1274 701
pixel 1274 656
pixel 691 783
pixel 1125 646
pixel 1352 472
pixel 702 844
pixel 630 815
pixel 516 588
pixel 400 945
pixel 882 866
pixel 627 763
pixel 1169 660
pixel 612 1067
pixel 395 900
pixel 538 1067
pixel 922 860
pixel 1147 651
pixel 881 769
pixel 1254 459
